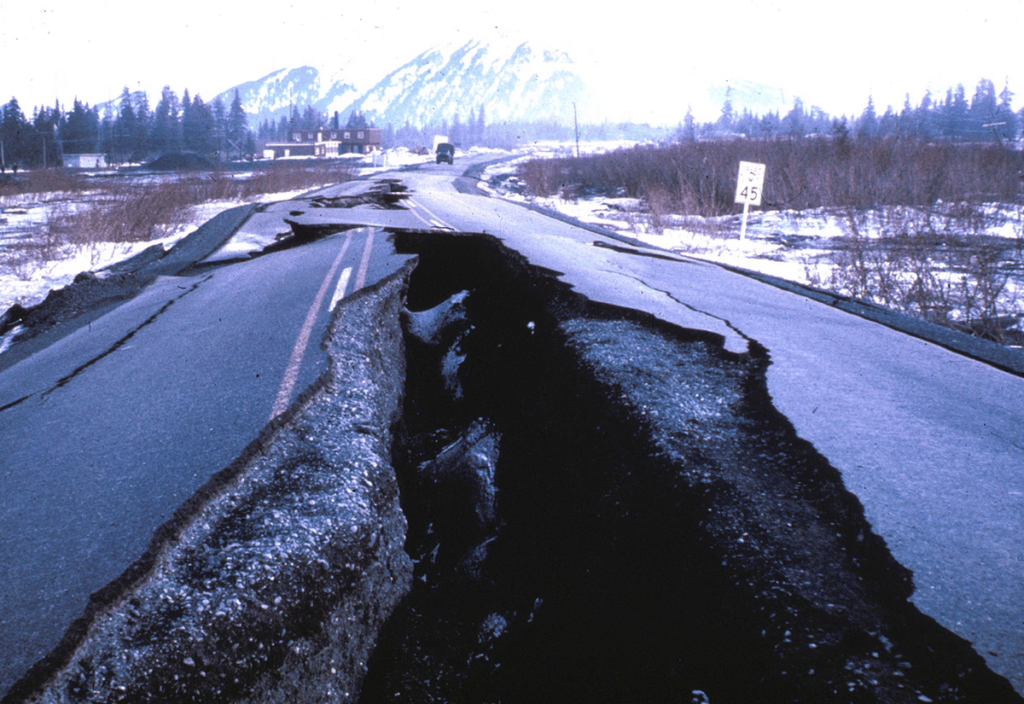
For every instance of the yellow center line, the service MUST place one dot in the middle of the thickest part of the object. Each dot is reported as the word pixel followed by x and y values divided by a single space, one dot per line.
pixel 364 263
pixel 434 220
pixel 339 290
pixel 291 372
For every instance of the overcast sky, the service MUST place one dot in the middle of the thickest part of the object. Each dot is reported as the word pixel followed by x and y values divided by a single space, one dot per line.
pixel 830 54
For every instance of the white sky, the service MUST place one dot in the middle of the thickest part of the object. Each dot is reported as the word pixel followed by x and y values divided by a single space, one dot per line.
pixel 659 52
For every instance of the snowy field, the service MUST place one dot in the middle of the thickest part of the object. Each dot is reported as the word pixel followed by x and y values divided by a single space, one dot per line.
pixel 31 265
pixel 945 263
pixel 957 278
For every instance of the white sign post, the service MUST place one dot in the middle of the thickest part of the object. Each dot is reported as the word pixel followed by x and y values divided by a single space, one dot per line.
pixel 749 187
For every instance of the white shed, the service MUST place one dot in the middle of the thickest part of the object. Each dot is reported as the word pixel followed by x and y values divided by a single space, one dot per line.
pixel 85 161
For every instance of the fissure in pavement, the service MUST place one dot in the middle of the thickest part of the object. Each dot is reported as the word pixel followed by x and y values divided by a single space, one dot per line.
pixel 605 508
pixel 600 508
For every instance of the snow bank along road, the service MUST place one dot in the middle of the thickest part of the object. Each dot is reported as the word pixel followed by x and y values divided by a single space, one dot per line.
pixel 623 475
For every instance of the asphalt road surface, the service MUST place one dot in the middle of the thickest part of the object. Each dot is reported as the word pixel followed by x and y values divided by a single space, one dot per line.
pixel 108 431
pixel 930 441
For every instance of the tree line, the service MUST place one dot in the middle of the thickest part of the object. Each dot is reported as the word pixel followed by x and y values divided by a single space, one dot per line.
pixel 473 132
pixel 126 132
pixel 129 130
pixel 985 117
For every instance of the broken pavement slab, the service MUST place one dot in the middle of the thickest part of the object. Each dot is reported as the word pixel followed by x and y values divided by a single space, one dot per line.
pixel 92 295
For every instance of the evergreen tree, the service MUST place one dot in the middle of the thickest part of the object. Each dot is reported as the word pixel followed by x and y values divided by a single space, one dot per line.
pixel 356 120
pixel 982 112
pixel 237 128
pixel 906 119
pixel 747 124
pixel 42 141
pixel 311 119
pixel 689 131
pixel 888 123
pixel 725 120
pixel 80 131
pixel 841 137
pixel 793 122
pixel 189 125
pixel 198 126
pixel 125 128
pixel 220 120
pixel 954 120
pixel 167 128
pixel 925 118
pixel 1004 113
pixel 207 131
pixel 867 123
pixel 770 124
pixel 13 134
pixel 141 139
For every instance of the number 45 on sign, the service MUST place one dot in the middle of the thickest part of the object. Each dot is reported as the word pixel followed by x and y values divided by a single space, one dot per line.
pixel 749 186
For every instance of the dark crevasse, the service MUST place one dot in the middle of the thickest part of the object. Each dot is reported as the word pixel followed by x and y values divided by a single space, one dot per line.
pixel 604 508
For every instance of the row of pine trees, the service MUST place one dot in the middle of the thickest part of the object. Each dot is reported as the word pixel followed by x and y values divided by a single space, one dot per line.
pixel 129 131
pixel 474 132
pixel 985 117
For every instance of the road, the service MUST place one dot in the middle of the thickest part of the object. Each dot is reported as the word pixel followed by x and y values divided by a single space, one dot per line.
pixel 130 416
pixel 108 431
pixel 930 441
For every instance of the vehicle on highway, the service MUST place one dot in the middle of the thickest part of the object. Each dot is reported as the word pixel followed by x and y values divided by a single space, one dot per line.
pixel 445 152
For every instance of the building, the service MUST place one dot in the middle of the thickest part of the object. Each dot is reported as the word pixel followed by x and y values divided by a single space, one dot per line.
pixel 326 141
pixel 85 161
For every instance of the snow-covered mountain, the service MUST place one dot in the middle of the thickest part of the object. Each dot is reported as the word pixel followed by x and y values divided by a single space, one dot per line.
pixel 273 96
pixel 512 82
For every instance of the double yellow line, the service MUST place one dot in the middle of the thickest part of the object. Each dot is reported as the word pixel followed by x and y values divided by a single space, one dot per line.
pixel 291 372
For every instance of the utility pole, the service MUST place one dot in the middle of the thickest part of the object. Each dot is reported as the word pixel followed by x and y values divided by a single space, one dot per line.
pixel 995 132
pixel 576 123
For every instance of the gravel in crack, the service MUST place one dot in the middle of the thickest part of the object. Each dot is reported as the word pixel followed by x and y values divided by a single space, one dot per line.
pixel 820 588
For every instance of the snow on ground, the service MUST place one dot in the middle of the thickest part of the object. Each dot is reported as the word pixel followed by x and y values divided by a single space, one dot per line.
pixel 799 246
pixel 27 274
pixel 806 247
pixel 26 279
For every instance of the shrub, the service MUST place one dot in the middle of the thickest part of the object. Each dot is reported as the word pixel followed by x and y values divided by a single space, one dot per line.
pixel 700 177
pixel 84 210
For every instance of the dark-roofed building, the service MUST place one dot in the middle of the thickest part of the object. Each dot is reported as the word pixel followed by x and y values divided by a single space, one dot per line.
pixel 325 142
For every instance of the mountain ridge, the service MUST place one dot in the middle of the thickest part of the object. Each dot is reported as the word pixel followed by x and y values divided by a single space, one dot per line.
pixel 512 81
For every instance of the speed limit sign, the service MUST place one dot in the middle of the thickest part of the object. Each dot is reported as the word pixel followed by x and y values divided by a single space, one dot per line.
pixel 750 183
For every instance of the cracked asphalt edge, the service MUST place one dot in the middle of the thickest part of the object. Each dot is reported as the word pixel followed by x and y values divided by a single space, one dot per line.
pixel 91 296
pixel 282 567
pixel 1007 359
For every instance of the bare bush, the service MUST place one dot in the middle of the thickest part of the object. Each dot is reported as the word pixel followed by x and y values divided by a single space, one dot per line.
pixel 801 174
pixel 935 263
pixel 83 211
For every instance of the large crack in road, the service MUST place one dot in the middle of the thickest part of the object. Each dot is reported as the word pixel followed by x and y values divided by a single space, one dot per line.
pixel 600 507
pixel 631 519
